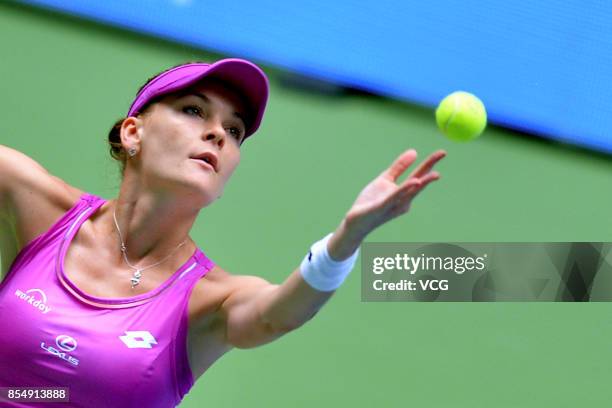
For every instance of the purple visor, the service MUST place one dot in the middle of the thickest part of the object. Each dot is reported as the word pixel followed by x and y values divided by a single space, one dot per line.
pixel 244 76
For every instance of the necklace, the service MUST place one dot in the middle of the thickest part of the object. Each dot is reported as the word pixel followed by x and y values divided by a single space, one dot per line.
pixel 138 271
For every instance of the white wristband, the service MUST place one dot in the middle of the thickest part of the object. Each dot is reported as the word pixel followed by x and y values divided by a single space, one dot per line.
pixel 321 272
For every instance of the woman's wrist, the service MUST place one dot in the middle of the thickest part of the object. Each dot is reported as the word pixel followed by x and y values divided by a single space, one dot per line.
pixel 322 272
pixel 343 243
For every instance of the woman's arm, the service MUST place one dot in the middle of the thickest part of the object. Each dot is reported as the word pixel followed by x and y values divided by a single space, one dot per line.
pixel 8 240
pixel 6 155
pixel 31 199
pixel 257 312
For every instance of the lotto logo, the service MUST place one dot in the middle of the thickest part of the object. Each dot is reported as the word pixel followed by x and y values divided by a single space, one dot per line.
pixel 138 339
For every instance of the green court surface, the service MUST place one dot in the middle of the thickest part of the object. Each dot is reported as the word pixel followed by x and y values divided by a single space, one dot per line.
pixel 64 82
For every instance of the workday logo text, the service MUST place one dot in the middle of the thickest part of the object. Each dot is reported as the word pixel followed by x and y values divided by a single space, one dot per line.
pixel 34 297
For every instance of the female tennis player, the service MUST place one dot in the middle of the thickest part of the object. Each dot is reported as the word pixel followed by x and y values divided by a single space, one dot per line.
pixel 112 299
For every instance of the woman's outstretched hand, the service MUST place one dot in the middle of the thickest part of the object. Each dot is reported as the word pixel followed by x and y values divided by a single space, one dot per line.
pixel 382 200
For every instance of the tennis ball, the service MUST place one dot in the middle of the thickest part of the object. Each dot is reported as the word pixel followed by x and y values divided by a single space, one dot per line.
pixel 461 116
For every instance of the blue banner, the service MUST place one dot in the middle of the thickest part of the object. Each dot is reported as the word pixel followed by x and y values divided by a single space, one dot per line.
pixel 540 67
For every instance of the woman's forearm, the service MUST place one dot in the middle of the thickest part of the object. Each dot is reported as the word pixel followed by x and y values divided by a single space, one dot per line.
pixel 292 303
pixel 295 301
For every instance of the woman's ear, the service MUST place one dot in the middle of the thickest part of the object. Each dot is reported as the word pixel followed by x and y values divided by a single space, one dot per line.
pixel 130 133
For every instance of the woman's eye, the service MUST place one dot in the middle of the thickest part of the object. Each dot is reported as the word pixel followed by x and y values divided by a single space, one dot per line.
pixel 191 108
pixel 236 132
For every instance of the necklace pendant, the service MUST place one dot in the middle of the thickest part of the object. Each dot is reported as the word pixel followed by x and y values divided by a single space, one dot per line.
pixel 136 279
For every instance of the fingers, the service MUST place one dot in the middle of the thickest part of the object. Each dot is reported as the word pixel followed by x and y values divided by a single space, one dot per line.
pixel 399 202
pixel 400 164
pixel 412 186
pixel 421 181
pixel 428 178
pixel 407 158
pixel 405 192
pixel 428 164
pixel 418 180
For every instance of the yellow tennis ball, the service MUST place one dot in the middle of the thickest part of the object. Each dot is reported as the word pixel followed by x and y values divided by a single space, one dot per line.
pixel 461 116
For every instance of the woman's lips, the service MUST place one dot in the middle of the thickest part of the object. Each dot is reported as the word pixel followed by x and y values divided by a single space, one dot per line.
pixel 204 164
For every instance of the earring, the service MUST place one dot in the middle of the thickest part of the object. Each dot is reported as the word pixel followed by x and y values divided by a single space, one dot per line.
pixel 132 152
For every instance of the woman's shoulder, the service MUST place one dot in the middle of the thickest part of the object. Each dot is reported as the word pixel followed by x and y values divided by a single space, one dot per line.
pixel 37 201
pixel 208 294
pixel 230 281
pixel 26 184
pixel 32 200
pixel 212 290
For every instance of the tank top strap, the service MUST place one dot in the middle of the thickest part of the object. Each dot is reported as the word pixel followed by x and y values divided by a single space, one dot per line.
pixel 58 228
pixel 91 199
pixel 205 263
pixel 85 200
pixel 46 242
pixel 87 204
pixel 195 270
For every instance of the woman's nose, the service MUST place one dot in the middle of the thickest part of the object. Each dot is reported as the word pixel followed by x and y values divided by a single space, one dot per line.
pixel 216 134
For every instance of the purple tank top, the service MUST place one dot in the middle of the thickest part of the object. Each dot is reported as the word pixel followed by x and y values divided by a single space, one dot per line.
pixel 126 352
